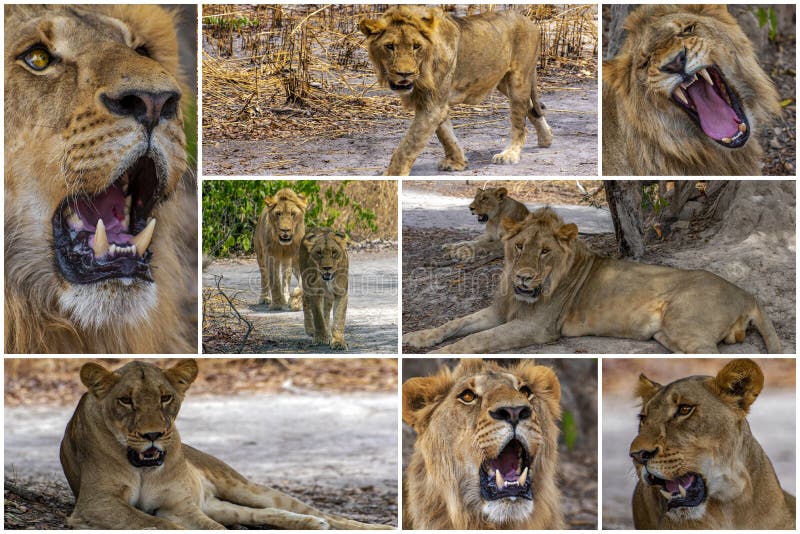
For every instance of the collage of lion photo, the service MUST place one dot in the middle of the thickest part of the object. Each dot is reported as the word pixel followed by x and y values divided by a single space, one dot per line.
pixel 257 223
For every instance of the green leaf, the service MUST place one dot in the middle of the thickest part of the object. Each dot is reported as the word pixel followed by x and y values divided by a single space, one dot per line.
pixel 569 429
pixel 786 101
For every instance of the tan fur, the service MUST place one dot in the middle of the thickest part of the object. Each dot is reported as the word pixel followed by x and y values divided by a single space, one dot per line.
pixel 283 214
pixel 324 252
pixel 434 60
pixel 60 140
pixel 713 441
pixel 441 487
pixel 583 294
pixel 644 132
pixel 493 204
pixel 189 490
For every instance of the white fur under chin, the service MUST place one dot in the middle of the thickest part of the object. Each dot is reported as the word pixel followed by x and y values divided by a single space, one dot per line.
pixel 507 511
pixel 109 303
pixel 686 513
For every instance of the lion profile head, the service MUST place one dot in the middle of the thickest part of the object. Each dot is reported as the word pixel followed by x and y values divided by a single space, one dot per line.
pixel 488 203
pixel 486 448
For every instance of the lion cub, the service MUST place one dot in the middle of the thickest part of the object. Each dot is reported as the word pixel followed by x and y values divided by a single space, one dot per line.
pixel 324 266
pixel 491 205
pixel 126 465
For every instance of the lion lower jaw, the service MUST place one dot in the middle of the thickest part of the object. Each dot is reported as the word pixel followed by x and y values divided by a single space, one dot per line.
pixel 109 303
pixel 505 511
pixel 694 513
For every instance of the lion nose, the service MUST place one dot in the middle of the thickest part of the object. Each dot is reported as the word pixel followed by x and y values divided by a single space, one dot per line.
pixel 512 414
pixel 676 65
pixel 152 436
pixel 643 455
pixel 146 107
pixel 523 280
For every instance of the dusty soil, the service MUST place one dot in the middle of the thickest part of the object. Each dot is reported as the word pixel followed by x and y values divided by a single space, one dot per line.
pixel 571 113
pixel 349 468
pixel 755 250
pixel 370 327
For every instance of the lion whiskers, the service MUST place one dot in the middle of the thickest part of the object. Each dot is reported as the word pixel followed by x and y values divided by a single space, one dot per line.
pixel 109 303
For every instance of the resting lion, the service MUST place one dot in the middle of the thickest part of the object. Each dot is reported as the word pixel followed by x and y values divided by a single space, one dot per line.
pixel 486 451
pixel 434 60
pixel 491 205
pixel 553 286
pixel 100 233
pixel 126 465
pixel 684 96
pixel 276 240
pixel 325 268
pixel 698 464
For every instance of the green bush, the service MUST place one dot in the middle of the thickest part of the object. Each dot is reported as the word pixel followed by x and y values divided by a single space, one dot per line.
pixel 231 209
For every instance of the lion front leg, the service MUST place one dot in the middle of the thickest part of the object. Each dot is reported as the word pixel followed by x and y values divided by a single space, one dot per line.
pixel 337 327
pixel 519 110
pixel 474 322
pixel 98 511
pixel 454 158
pixel 322 333
pixel 276 285
pixel 266 281
pixel 425 122
pixel 511 335
pixel 297 295
pixel 228 513
pixel 468 250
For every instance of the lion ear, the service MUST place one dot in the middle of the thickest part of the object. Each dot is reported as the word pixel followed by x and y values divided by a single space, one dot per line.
pixel 430 21
pixel 270 201
pixel 739 383
pixel 342 236
pixel 182 374
pixel 500 193
pixel 646 388
pixel 544 384
pixel 301 201
pixel 567 232
pixel 719 11
pixel 421 395
pixel 97 379
pixel 370 27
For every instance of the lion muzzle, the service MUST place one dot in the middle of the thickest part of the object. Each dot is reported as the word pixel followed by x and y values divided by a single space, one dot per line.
pixel 506 476
pixel 150 457
pixel 685 491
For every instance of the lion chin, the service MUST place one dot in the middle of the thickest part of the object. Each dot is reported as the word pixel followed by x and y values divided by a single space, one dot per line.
pixel 118 302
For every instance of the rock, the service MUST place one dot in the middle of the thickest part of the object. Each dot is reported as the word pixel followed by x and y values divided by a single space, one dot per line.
pixel 690 210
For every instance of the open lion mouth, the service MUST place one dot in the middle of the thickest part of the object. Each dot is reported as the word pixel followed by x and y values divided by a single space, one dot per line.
pixel 688 490
pixel 402 85
pixel 107 235
pixel 526 293
pixel 152 457
pixel 708 99
pixel 506 477
pixel 285 239
pixel 483 218
pixel 327 276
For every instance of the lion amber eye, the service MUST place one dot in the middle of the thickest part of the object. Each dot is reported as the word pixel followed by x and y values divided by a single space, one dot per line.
pixel 125 401
pixel 467 396
pixel 685 409
pixel 37 58
pixel 166 398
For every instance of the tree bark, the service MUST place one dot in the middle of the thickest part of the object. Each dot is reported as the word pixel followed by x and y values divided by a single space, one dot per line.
pixel 616 33
pixel 625 203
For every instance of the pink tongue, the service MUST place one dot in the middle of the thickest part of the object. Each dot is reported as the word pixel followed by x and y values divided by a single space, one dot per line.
pixel 717 118
pixel 110 206
pixel 685 481
pixel 507 463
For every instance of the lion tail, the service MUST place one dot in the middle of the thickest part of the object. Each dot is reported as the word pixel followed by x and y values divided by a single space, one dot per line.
pixel 767 331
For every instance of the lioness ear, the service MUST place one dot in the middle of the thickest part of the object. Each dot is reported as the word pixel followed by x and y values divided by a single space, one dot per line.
pixel 739 382
pixel 420 396
pixel 567 232
pixel 97 379
pixel 544 384
pixel 182 374
pixel 501 193
pixel 646 388
pixel 370 27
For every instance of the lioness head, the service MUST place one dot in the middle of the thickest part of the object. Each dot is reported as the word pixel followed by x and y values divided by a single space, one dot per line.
pixel 688 449
pixel 94 143
pixel 287 211
pixel 326 253
pixel 488 439
pixel 691 70
pixel 400 45
pixel 488 202
pixel 538 252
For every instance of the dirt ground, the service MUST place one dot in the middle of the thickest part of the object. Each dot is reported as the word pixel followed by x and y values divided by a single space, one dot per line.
pixel 349 468
pixel 370 326
pixel 755 250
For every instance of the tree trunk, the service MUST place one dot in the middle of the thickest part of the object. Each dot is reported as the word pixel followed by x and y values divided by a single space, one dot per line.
pixel 616 33
pixel 624 199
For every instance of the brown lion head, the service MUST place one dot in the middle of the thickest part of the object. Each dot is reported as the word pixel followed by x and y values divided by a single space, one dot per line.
pixel 138 403
pixel 688 450
pixel 689 72
pixel 486 444
pixel 538 253
pixel 488 202
pixel 287 211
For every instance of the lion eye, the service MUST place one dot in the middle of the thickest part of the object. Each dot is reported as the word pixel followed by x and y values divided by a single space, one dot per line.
pixel 685 409
pixel 688 30
pixel 166 399
pixel 525 390
pixel 518 246
pixel 641 417
pixel 142 51
pixel 38 58
pixel 545 251
pixel 467 396
pixel 125 401
pixel 389 46
pixel 417 46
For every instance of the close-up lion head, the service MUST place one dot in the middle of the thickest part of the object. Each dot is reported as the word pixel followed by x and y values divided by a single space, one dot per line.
pixel 95 154
pixel 687 81
pixel 401 46
pixel 488 203
pixel 539 251
pixel 287 211
pixel 323 256
pixel 486 449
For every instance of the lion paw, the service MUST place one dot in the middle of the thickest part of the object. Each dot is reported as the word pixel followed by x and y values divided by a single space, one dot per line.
pixel 264 299
pixel 419 339
pixel 321 340
pixel 338 343
pixel 508 156
pixel 448 164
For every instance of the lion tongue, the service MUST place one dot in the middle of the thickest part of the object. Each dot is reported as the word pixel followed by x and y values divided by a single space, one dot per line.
pixel 673 486
pixel 508 462
pixel 717 118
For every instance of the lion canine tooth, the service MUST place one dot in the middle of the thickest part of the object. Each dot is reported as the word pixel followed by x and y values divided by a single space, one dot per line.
pixel 706 76
pixel 523 477
pixel 498 479
pixel 682 490
pixel 142 240
pixel 682 97
pixel 667 495
pixel 742 127
pixel 726 140
pixel 100 246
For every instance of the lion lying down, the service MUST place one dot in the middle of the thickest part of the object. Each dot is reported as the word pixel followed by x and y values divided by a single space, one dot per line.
pixel 553 286
pixel 126 465
pixel 486 451
pixel 698 464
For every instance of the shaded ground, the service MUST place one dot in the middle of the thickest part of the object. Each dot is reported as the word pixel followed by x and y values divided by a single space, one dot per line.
pixel 436 290
pixel 349 468
pixel 571 113
pixel 370 327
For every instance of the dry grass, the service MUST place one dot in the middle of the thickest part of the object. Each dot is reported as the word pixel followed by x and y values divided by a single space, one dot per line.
pixel 269 69
pixel 378 195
